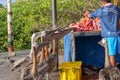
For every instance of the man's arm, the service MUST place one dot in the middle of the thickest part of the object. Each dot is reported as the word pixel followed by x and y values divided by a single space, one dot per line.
pixel 96 14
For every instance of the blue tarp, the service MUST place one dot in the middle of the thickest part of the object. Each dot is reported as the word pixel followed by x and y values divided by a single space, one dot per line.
pixel 87 50
pixel 69 47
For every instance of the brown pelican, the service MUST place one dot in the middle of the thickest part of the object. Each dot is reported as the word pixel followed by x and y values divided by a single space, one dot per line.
pixel 109 72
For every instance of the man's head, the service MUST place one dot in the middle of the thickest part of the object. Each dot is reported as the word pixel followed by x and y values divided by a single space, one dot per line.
pixel 105 2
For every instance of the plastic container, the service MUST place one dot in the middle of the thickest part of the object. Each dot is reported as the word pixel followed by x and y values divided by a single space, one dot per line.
pixel 70 70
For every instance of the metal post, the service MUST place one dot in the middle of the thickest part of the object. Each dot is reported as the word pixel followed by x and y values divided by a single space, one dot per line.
pixel 54 13
pixel 9 23
pixel 54 19
pixel 116 2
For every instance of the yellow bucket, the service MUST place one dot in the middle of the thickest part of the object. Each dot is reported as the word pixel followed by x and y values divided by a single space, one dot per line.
pixel 70 70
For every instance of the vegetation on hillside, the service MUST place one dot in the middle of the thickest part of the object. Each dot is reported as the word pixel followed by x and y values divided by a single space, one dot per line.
pixel 1 6
pixel 31 15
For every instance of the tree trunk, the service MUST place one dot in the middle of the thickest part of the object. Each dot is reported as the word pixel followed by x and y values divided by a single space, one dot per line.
pixel 9 23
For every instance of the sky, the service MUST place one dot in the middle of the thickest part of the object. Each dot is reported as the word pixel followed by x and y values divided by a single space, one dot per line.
pixel 5 1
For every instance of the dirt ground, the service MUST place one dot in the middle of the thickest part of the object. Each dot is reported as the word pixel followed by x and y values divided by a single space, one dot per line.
pixel 6 72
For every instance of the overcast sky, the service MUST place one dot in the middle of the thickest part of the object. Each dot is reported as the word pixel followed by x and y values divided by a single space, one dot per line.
pixel 5 1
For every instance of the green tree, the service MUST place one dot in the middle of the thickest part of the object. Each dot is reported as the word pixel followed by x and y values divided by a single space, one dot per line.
pixel 1 6
pixel 30 15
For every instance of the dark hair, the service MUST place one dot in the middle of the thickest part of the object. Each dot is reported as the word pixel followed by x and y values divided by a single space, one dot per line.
pixel 106 1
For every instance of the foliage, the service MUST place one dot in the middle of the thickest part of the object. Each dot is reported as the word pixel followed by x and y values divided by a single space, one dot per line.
pixel 1 6
pixel 32 15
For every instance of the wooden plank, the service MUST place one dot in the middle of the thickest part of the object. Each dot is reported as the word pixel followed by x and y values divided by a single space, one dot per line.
pixel 87 33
